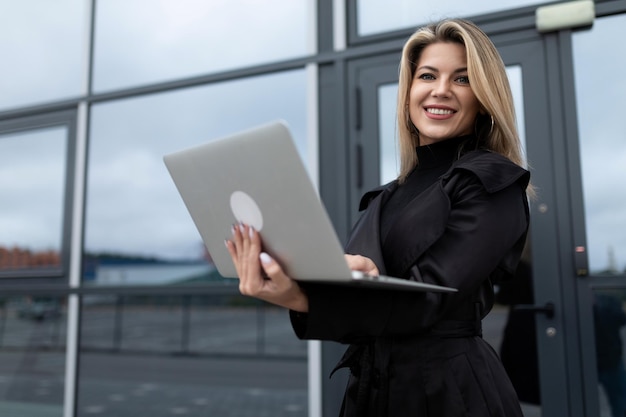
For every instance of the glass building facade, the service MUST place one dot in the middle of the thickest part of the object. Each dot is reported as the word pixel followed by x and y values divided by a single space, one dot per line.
pixel 109 302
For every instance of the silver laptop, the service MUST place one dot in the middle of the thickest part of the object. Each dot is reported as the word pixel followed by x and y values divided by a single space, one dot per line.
pixel 257 177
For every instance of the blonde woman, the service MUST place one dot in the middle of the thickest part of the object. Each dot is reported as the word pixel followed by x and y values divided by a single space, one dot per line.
pixel 456 216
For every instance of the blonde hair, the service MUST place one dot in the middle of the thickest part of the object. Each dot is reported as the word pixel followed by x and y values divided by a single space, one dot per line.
pixel 495 124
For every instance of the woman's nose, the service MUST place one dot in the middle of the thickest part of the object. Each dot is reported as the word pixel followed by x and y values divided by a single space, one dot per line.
pixel 441 88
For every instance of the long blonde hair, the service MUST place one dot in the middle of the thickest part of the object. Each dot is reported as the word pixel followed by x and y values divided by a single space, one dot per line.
pixel 495 124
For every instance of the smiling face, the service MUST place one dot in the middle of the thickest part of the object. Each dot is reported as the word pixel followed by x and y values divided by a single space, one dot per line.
pixel 442 104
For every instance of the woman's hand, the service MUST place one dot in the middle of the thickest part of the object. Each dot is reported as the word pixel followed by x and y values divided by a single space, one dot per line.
pixel 363 264
pixel 260 276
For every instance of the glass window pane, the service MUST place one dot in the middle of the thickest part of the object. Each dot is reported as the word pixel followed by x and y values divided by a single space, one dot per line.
pixel 33 331
pixel 42 49
pixel 514 74
pixel 388 143
pixel 376 16
pixel 601 101
pixel 143 41
pixel 138 230
pixel 32 185
pixel 216 354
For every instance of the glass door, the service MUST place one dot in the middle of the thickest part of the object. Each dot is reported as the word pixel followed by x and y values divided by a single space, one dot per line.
pixel 600 102
pixel 528 337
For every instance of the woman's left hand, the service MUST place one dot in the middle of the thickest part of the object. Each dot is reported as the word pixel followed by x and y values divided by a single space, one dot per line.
pixel 260 276
pixel 361 263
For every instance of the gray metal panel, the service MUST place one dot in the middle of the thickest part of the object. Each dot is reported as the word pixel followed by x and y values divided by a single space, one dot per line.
pixel 542 127
pixel 563 137
pixel 325 35
pixel 334 188
pixel 367 75
pixel 333 146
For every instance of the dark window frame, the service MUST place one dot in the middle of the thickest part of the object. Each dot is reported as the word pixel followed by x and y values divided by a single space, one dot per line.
pixel 48 275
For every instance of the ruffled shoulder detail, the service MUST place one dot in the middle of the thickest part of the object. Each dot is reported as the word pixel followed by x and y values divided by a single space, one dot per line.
pixel 494 171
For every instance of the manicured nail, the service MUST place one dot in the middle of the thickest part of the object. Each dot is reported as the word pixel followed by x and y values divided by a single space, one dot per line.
pixel 241 227
pixel 251 231
pixel 226 242
pixel 265 258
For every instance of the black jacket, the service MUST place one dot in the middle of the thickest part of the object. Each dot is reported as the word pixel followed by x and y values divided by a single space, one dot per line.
pixel 421 354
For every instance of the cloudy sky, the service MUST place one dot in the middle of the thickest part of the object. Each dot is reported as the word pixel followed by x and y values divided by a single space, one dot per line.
pixel 143 41
pixel 44 42
pixel 599 63
pixel 373 16
pixel 132 205
pixel 32 181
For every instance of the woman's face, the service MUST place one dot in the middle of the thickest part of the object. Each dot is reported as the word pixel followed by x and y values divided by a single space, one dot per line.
pixel 442 104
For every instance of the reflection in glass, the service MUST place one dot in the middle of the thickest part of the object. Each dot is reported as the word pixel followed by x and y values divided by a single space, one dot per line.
pixel 32 356
pixel 388 143
pixel 376 16
pixel 187 325
pixel 32 180
pixel 138 230
pixel 203 355
pixel 609 320
pixel 601 106
pixel 514 74
pixel 41 44
pixel 516 339
pixel 143 41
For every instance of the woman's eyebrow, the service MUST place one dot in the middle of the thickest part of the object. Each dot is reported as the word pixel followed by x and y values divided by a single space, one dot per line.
pixel 427 67
pixel 433 69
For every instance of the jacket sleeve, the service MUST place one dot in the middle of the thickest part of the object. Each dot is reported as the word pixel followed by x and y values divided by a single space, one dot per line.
pixel 481 229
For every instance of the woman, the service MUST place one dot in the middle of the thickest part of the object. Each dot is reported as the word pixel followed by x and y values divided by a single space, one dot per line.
pixel 456 216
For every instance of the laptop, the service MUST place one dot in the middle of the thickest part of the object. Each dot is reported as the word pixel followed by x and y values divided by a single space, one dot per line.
pixel 258 177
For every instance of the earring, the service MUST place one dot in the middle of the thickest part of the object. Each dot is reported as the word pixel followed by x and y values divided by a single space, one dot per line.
pixel 492 123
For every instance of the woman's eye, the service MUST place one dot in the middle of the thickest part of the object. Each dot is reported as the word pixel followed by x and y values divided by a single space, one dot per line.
pixel 463 80
pixel 426 77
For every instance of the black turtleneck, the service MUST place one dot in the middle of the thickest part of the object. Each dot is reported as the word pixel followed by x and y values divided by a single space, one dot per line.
pixel 433 161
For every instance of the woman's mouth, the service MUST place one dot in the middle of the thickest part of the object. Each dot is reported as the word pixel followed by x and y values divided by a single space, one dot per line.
pixel 438 111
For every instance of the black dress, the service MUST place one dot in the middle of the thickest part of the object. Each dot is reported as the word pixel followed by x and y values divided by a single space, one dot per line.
pixel 456 221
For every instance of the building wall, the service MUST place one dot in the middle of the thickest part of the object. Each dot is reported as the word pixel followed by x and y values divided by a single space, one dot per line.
pixel 95 94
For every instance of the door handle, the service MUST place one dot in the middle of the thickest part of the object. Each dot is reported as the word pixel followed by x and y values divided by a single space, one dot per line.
pixel 547 309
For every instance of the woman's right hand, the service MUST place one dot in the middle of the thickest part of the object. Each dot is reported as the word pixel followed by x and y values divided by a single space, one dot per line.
pixel 260 276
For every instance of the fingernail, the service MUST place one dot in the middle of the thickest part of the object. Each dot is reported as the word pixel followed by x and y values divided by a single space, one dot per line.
pixel 265 258
pixel 241 228
pixel 232 229
pixel 251 232
pixel 226 242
